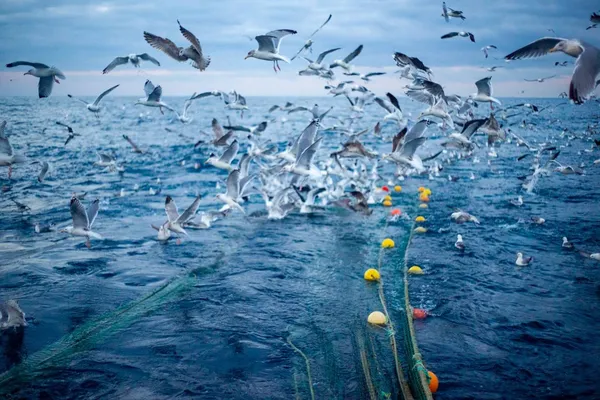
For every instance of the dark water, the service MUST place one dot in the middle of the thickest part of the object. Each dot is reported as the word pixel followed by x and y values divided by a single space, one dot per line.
pixel 497 331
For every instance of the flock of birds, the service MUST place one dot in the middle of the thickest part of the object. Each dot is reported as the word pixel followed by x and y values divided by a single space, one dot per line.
pixel 296 178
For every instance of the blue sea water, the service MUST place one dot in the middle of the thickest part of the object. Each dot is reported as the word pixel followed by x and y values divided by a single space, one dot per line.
pixel 495 330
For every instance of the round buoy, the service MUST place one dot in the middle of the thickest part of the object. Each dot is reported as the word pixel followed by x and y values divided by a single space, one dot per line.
pixel 420 218
pixel 424 197
pixel 415 270
pixel 434 383
pixel 387 243
pixel 423 205
pixel 419 313
pixel 427 191
pixel 388 197
pixel 397 188
pixel 377 318
pixel 387 203
pixel 396 212
pixel 385 188
pixel 372 275
pixel 421 189
pixel 420 229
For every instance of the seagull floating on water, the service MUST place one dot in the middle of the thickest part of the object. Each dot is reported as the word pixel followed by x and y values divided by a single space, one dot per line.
pixel 523 261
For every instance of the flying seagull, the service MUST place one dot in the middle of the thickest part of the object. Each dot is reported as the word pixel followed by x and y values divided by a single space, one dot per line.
pixel 268 47
pixel 485 49
pixel 83 220
pixel 72 134
pixel 152 98
pixel 7 155
pixel 192 53
pixel 587 65
pixel 95 107
pixel 134 59
pixel 345 63
pixel 48 75
pixel 539 79
pixel 461 34
pixel 307 45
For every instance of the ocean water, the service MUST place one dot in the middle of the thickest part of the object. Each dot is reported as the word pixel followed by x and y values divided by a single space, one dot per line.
pixel 249 284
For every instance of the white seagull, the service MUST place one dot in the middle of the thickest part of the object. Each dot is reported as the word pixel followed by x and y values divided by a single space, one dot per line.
pixel 484 92
pixel 230 198
pixel 152 99
pixel 134 59
pixel 48 75
pixel 268 47
pixel 7 154
pixel 95 107
pixel 587 65
pixel 307 45
pixel 345 63
pixel 83 220
pixel 224 162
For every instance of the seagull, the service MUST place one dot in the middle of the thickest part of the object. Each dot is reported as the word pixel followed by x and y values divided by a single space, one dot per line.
pixel 109 162
pixel 461 34
pixel 48 75
pixel 459 243
pixel 94 107
pixel 221 138
pixel 451 14
pixel 566 244
pixel 485 49
pixel 134 147
pixel 592 26
pixel 44 170
pixel 192 53
pixel 134 59
pixel 307 45
pixel 260 128
pixel 268 47
pixel 593 256
pixel 463 140
pixel 224 162
pixel 365 77
pixel 538 220
pixel 523 261
pixel 517 202
pixel 460 217
pixel 391 106
pixel 186 105
pixel 402 60
pixel 318 65
pixel 71 133
pixel 83 220
pixel 484 92
pixel 345 63
pixel 163 232
pixel 175 221
pixel 153 97
pixel 303 164
pixel 587 64
pixel 11 316
pixel 206 219
pixel 230 198
pixel 561 64
pixel 7 154
pixel 539 79
pixel 492 69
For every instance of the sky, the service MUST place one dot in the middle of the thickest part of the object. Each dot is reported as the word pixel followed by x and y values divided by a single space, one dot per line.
pixel 82 37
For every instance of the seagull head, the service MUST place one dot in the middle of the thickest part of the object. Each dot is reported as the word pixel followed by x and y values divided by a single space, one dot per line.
pixel 250 54
pixel 30 72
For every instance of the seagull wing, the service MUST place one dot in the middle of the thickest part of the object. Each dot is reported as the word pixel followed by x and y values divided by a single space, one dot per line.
pixel 29 64
pixel 278 35
pixel 233 184
pixel 374 74
pixel 354 54
pixel 471 127
pixel 147 57
pixel 191 38
pixel 394 101
pixel 583 81
pixel 450 35
pixel 398 139
pixel 148 87
pixel 386 105
pixel 165 45
pixel 230 153
pixel 171 209
pixel 92 212
pixel 115 63
pixel 323 54
pixel 536 48
pixel 190 211
pixel 78 213
pixel 484 86
pixel 416 131
pixel 104 94
pixel 217 128
pixel 45 86
pixel 304 160
pixel 409 148
pixel 73 97
pixel 319 28
pixel 421 96
pixel 155 95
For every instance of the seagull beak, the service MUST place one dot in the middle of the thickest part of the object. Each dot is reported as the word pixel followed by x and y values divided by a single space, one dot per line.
pixel 552 50
pixel 245 58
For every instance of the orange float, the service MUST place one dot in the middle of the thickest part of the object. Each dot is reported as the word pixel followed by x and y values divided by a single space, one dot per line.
pixel 385 188
pixel 396 212
pixel 434 383
pixel 419 313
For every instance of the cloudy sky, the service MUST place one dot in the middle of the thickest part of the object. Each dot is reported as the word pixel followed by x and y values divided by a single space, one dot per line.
pixel 82 37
